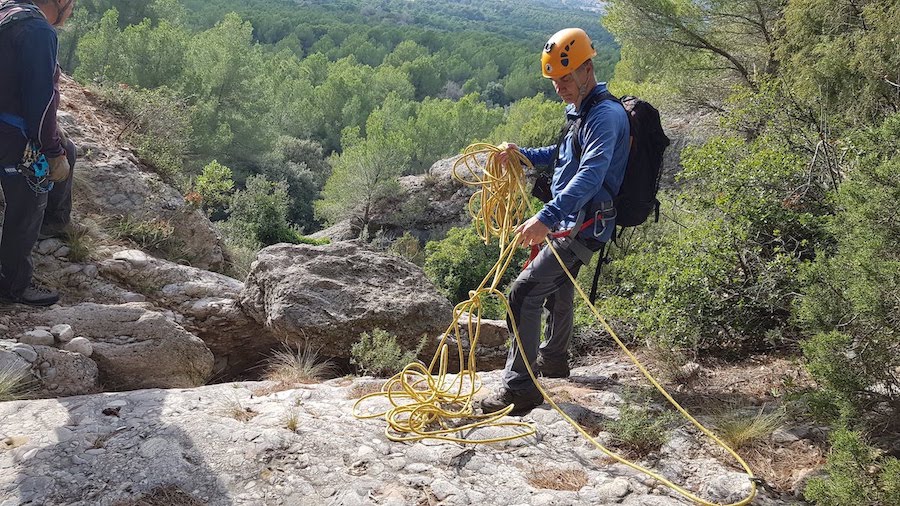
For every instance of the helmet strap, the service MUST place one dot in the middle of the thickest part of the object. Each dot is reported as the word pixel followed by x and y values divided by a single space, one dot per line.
pixel 62 10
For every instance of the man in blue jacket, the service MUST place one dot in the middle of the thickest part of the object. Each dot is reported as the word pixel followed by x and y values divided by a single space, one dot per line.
pixel 29 98
pixel 589 165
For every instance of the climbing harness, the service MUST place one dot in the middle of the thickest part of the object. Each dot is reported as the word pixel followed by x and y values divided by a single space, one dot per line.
pixel 429 403
pixel 33 166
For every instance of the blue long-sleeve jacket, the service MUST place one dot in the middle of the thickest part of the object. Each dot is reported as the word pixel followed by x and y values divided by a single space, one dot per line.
pixel 29 77
pixel 604 138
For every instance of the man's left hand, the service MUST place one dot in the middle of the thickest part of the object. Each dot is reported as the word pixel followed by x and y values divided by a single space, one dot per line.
pixel 533 231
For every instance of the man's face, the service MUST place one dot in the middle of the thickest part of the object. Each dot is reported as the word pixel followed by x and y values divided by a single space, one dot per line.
pixel 567 86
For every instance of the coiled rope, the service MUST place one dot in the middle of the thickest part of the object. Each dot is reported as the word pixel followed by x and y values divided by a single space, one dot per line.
pixel 429 403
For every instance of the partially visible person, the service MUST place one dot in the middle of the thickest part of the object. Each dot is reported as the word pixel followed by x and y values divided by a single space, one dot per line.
pixel 29 99
pixel 589 166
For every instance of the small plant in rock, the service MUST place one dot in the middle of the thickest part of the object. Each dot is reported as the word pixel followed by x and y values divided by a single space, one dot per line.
pixel 362 389
pixel 82 244
pixel 290 366
pixel 379 353
pixel 738 428
pixel 639 429
pixel 292 419
pixel 14 384
pixel 167 495
pixel 572 479
pixel 232 408
pixel 408 248
pixel 150 234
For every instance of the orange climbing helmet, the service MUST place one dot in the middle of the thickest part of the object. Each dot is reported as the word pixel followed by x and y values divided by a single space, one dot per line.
pixel 565 51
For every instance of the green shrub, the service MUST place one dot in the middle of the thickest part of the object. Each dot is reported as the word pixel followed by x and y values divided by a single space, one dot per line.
pixel 851 296
pixel 858 475
pixel 720 270
pixel 459 262
pixel 379 353
pixel 639 429
pixel 154 234
pixel 408 248
pixel 157 123
pixel 214 185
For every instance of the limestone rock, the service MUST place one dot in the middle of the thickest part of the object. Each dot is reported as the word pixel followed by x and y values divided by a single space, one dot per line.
pixel 137 348
pixel 37 337
pixel 328 295
pixel 64 373
pixel 80 345
pixel 491 351
pixel 63 333
pixel 208 300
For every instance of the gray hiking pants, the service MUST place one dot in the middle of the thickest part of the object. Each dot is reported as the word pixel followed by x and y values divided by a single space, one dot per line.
pixel 543 284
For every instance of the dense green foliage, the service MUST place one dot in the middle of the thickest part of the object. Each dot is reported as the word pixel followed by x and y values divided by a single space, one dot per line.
pixel 721 271
pixel 786 227
pixel 459 262
pixel 858 475
pixel 397 84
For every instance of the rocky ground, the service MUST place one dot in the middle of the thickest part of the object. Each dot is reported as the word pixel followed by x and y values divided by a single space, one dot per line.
pixel 241 443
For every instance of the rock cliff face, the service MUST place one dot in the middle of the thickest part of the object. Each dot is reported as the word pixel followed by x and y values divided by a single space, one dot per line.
pixel 137 321
pixel 236 444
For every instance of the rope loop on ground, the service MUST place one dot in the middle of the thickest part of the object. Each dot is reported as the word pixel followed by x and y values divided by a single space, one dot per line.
pixel 423 402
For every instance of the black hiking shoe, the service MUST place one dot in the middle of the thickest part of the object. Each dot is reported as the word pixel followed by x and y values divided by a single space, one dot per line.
pixel 551 368
pixel 524 400
pixel 33 296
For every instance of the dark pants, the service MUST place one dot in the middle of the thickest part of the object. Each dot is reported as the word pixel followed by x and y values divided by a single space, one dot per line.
pixel 59 201
pixel 543 284
pixel 22 223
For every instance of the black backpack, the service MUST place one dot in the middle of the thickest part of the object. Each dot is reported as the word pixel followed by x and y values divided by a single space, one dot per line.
pixel 17 12
pixel 637 195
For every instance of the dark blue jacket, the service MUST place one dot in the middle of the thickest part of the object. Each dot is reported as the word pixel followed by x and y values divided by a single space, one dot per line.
pixel 604 138
pixel 29 84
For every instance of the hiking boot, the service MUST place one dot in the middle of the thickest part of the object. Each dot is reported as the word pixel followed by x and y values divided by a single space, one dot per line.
pixel 53 233
pixel 551 368
pixel 524 400
pixel 33 296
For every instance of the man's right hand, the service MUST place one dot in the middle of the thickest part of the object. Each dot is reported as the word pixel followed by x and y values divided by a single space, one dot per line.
pixel 507 147
pixel 59 168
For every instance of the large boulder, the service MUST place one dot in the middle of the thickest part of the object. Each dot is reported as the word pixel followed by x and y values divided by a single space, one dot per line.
pixel 135 347
pixel 209 303
pixel 328 295
pixel 49 372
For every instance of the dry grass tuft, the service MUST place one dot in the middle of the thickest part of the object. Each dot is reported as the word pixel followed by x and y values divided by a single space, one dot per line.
pixel 169 495
pixel 292 419
pixel 290 367
pixel 362 389
pixel 558 479
pixel 740 429
pixel 15 383
pixel 232 408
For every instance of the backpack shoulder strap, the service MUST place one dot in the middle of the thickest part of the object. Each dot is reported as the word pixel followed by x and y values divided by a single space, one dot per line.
pixel 13 12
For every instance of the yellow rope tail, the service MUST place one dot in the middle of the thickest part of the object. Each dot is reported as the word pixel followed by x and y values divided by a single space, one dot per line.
pixel 429 403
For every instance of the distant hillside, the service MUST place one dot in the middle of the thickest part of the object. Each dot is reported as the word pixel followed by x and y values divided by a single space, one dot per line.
pixel 531 21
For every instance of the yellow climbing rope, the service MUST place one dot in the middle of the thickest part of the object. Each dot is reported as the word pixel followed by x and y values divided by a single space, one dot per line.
pixel 430 403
